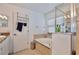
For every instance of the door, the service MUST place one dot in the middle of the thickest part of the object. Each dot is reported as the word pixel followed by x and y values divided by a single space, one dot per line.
pixel 20 37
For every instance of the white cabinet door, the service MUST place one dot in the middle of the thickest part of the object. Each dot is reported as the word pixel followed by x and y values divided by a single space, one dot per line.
pixel 0 49
pixel 61 44
pixel 5 47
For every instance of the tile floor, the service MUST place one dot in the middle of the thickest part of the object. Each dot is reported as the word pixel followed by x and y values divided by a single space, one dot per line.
pixel 28 52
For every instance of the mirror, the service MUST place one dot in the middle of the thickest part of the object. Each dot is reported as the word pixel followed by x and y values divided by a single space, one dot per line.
pixel 3 21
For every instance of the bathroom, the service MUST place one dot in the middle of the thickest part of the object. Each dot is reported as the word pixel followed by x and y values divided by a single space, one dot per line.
pixel 39 29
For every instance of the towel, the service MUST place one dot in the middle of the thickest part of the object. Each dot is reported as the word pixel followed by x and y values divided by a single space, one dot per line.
pixel 19 26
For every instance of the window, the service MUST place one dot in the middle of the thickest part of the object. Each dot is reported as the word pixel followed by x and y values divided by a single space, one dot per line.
pixel 51 25
pixel 60 21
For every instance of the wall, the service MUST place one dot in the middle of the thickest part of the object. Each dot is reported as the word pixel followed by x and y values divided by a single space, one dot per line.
pixel 39 24
pixel 50 17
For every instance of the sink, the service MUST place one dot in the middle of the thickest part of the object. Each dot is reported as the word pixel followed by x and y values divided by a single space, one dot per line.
pixel 2 38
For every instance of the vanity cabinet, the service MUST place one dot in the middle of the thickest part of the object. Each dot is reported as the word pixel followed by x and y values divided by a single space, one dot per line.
pixel 0 49
pixel 4 47
pixel 77 42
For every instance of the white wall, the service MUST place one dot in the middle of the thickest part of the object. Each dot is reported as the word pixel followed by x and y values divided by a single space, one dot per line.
pixel 50 17
pixel 39 24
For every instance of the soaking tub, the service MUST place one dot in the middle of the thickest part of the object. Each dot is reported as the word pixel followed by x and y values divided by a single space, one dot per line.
pixel 45 41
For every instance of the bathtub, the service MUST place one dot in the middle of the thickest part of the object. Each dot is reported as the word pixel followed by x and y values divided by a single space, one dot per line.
pixel 45 41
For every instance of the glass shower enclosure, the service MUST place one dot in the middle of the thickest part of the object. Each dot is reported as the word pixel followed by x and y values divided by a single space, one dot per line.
pixel 65 20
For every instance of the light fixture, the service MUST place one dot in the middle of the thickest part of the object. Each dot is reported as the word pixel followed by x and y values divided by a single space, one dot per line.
pixel 3 17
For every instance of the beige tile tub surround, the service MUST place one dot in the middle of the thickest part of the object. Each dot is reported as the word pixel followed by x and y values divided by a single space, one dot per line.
pixel 43 49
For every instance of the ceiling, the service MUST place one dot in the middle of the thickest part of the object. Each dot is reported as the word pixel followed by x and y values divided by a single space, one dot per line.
pixel 38 7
